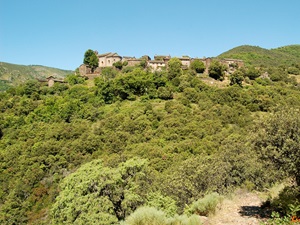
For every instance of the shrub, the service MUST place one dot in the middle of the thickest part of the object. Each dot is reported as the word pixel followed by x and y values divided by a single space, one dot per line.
pixel 288 201
pixel 165 93
pixel 160 202
pixel 152 216
pixel 197 66
pixel 185 220
pixel 205 206
pixel 146 216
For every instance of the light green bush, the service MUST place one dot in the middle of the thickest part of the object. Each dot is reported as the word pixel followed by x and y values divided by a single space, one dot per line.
pixel 147 216
pixel 185 220
pixel 204 206
pixel 160 202
pixel 152 216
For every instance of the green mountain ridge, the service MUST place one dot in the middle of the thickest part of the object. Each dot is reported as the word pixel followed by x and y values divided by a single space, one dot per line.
pixel 257 56
pixel 13 74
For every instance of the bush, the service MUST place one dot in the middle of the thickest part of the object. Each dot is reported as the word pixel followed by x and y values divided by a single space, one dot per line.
pixel 152 216
pixel 205 206
pixel 288 201
pixel 147 216
pixel 165 93
pixel 197 66
pixel 160 202
pixel 185 220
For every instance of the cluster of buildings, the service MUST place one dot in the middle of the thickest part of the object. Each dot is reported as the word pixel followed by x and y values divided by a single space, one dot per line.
pixel 156 64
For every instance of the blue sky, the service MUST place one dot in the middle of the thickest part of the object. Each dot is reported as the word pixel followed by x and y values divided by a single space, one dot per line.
pixel 56 33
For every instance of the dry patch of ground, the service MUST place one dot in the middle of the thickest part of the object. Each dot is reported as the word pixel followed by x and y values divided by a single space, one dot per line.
pixel 242 209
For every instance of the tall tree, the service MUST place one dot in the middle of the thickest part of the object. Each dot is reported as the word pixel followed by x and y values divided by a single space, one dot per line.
pixel 217 70
pixel 236 78
pixel 91 59
pixel 174 68
pixel 197 66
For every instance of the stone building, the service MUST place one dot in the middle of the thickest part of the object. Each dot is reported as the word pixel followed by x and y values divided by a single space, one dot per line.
pixel 132 61
pixel 185 61
pixel 51 80
pixel 108 59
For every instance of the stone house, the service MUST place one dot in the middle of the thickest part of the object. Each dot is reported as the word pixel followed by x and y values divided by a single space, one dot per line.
pixel 108 59
pixel 132 61
pixel 231 62
pixel 51 80
pixel 156 65
pixel 185 61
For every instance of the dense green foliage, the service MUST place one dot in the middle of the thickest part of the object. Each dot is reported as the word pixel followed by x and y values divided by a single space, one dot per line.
pixel 198 66
pixel 217 70
pixel 279 140
pixel 74 154
pixel 12 74
pixel 97 193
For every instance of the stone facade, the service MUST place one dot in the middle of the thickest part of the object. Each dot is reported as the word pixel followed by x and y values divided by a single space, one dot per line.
pixel 108 59
pixel 132 61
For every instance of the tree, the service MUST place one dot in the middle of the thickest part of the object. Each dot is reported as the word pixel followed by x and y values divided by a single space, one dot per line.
pixel 73 79
pixel 279 141
pixel 174 68
pixel 236 78
pixel 217 70
pixel 119 65
pixel 97 193
pixel 252 73
pixel 91 59
pixel 197 66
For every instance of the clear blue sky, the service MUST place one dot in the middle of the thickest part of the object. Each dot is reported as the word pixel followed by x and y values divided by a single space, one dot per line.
pixel 56 33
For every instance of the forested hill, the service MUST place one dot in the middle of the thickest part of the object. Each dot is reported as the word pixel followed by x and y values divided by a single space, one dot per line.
pixel 138 145
pixel 13 74
pixel 257 56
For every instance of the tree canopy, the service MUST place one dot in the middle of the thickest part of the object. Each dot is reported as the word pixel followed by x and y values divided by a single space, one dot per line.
pixel 91 59
pixel 197 66
pixel 217 70
pixel 97 193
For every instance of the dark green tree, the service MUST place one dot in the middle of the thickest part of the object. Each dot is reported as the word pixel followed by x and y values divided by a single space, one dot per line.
pixel 73 79
pixel 236 78
pixel 197 66
pixel 91 59
pixel 217 70
pixel 119 65
pixel 252 73
pixel 279 141
pixel 174 68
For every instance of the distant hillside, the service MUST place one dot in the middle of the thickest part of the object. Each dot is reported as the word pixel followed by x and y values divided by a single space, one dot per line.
pixel 12 74
pixel 293 50
pixel 254 55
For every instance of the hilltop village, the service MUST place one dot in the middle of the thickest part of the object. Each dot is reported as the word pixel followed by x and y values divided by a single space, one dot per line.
pixel 158 63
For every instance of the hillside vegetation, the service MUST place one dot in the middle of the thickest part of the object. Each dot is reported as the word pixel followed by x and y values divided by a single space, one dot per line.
pixel 257 56
pixel 12 74
pixel 138 147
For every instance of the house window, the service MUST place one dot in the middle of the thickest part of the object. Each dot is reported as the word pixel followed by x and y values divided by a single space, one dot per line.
pixel 108 61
